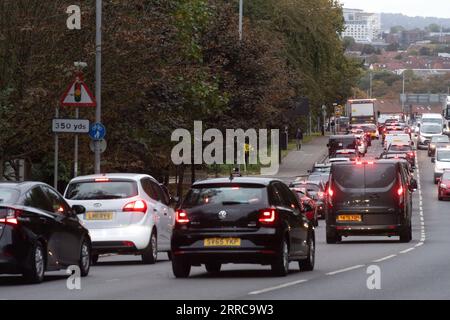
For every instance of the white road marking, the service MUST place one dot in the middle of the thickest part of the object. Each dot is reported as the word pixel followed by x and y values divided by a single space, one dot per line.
pixel 419 244
pixel 407 250
pixel 385 258
pixel 281 286
pixel 112 280
pixel 345 270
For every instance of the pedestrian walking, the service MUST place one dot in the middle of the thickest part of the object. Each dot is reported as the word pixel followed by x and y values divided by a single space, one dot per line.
pixel 299 138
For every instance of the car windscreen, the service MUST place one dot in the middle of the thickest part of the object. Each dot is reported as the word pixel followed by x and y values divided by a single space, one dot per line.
pixel 432 120
pixel 399 148
pixel 91 190
pixel 228 194
pixel 8 195
pixel 440 139
pixel 430 129
pixel 379 175
pixel 322 169
pixel 443 155
pixel 310 187
pixel 343 143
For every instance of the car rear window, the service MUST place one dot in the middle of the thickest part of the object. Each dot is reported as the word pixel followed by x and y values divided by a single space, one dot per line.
pixel 443 155
pixel 379 175
pixel 395 148
pixel 226 195
pixel 310 187
pixel 8 195
pixel 91 190
pixel 440 139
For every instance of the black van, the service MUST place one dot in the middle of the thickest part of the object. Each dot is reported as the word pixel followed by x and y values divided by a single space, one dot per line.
pixel 369 198
pixel 338 142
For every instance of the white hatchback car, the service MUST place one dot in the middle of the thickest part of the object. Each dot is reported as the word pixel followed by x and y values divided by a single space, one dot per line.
pixel 125 213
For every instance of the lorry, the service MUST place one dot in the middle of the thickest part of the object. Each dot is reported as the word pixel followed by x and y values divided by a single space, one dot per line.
pixel 361 111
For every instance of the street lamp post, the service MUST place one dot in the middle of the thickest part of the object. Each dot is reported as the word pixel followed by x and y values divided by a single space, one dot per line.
pixel 241 14
pixel 98 78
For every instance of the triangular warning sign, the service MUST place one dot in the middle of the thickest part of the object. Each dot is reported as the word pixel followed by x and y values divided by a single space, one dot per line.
pixel 78 95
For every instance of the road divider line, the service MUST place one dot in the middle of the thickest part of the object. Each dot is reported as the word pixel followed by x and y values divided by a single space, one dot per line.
pixel 281 286
pixel 407 250
pixel 385 258
pixel 345 270
pixel 419 244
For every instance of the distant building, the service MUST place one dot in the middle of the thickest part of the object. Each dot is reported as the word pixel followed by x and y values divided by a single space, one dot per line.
pixel 362 26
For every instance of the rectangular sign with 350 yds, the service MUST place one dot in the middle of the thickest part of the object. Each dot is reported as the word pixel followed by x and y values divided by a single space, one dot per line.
pixel 70 125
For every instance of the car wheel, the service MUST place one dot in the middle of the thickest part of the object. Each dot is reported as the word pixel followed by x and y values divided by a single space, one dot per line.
pixel 281 265
pixel 332 237
pixel 85 258
pixel 308 263
pixel 213 267
pixel 150 254
pixel 94 259
pixel 180 267
pixel 406 234
pixel 34 272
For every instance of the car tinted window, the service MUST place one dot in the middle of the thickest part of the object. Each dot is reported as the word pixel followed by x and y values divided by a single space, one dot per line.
pixel 91 190
pixel 8 195
pixel 443 155
pixel 275 196
pixel 148 189
pixel 289 199
pixel 58 204
pixel 440 139
pixel 226 194
pixel 431 129
pixel 157 191
pixel 349 176
pixel 379 175
pixel 395 148
pixel 36 198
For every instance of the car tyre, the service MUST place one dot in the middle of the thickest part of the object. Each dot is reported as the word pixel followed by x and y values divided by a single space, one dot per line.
pixel 406 234
pixel 280 267
pixel 308 263
pixel 180 267
pixel 85 258
pixel 213 267
pixel 150 254
pixel 34 272
pixel 332 237
pixel 94 259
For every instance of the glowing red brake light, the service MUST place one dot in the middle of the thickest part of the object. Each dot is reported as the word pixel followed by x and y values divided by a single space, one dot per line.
pixel 267 216
pixel 11 216
pixel 102 180
pixel 411 154
pixel 136 206
pixel 330 192
pixel 400 191
pixel 181 217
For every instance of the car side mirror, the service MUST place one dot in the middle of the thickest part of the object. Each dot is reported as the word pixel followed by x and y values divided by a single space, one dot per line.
pixel 433 160
pixel 78 209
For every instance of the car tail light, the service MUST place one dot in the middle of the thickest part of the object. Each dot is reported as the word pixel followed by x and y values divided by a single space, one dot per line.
pixel 330 192
pixel 400 191
pixel 136 206
pixel 9 216
pixel 102 180
pixel 443 185
pixel 181 217
pixel 320 194
pixel 411 154
pixel 267 216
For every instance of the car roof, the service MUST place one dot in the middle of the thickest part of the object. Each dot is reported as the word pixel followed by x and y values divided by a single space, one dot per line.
pixel 249 180
pixel 21 185
pixel 128 176
pixel 341 136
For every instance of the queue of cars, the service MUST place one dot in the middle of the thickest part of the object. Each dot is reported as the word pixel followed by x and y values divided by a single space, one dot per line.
pixel 224 220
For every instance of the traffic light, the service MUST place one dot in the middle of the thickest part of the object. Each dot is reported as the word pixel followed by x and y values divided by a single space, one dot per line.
pixel 77 92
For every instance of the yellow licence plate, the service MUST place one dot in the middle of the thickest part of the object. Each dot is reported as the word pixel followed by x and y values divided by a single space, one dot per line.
pixel 99 215
pixel 349 217
pixel 222 242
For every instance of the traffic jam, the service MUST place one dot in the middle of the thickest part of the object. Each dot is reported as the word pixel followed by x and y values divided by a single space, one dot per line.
pixel 364 187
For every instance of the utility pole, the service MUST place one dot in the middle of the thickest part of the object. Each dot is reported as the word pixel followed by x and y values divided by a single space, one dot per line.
pixel 241 15
pixel 403 92
pixel 98 78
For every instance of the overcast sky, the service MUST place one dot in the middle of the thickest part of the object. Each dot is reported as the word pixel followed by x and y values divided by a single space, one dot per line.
pixel 429 8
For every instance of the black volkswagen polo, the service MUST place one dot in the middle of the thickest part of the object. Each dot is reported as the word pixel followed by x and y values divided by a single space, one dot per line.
pixel 39 232
pixel 241 220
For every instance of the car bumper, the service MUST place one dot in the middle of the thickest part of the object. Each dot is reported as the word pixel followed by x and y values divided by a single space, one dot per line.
pixel 260 246
pixel 367 230
pixel 119 239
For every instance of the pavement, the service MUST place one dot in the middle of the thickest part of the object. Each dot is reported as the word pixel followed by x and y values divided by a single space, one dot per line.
pixel 415 270
pixel 297 163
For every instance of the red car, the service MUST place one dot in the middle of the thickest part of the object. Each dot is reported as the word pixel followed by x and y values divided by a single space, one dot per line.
pixel 444 186
pixel 309 206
